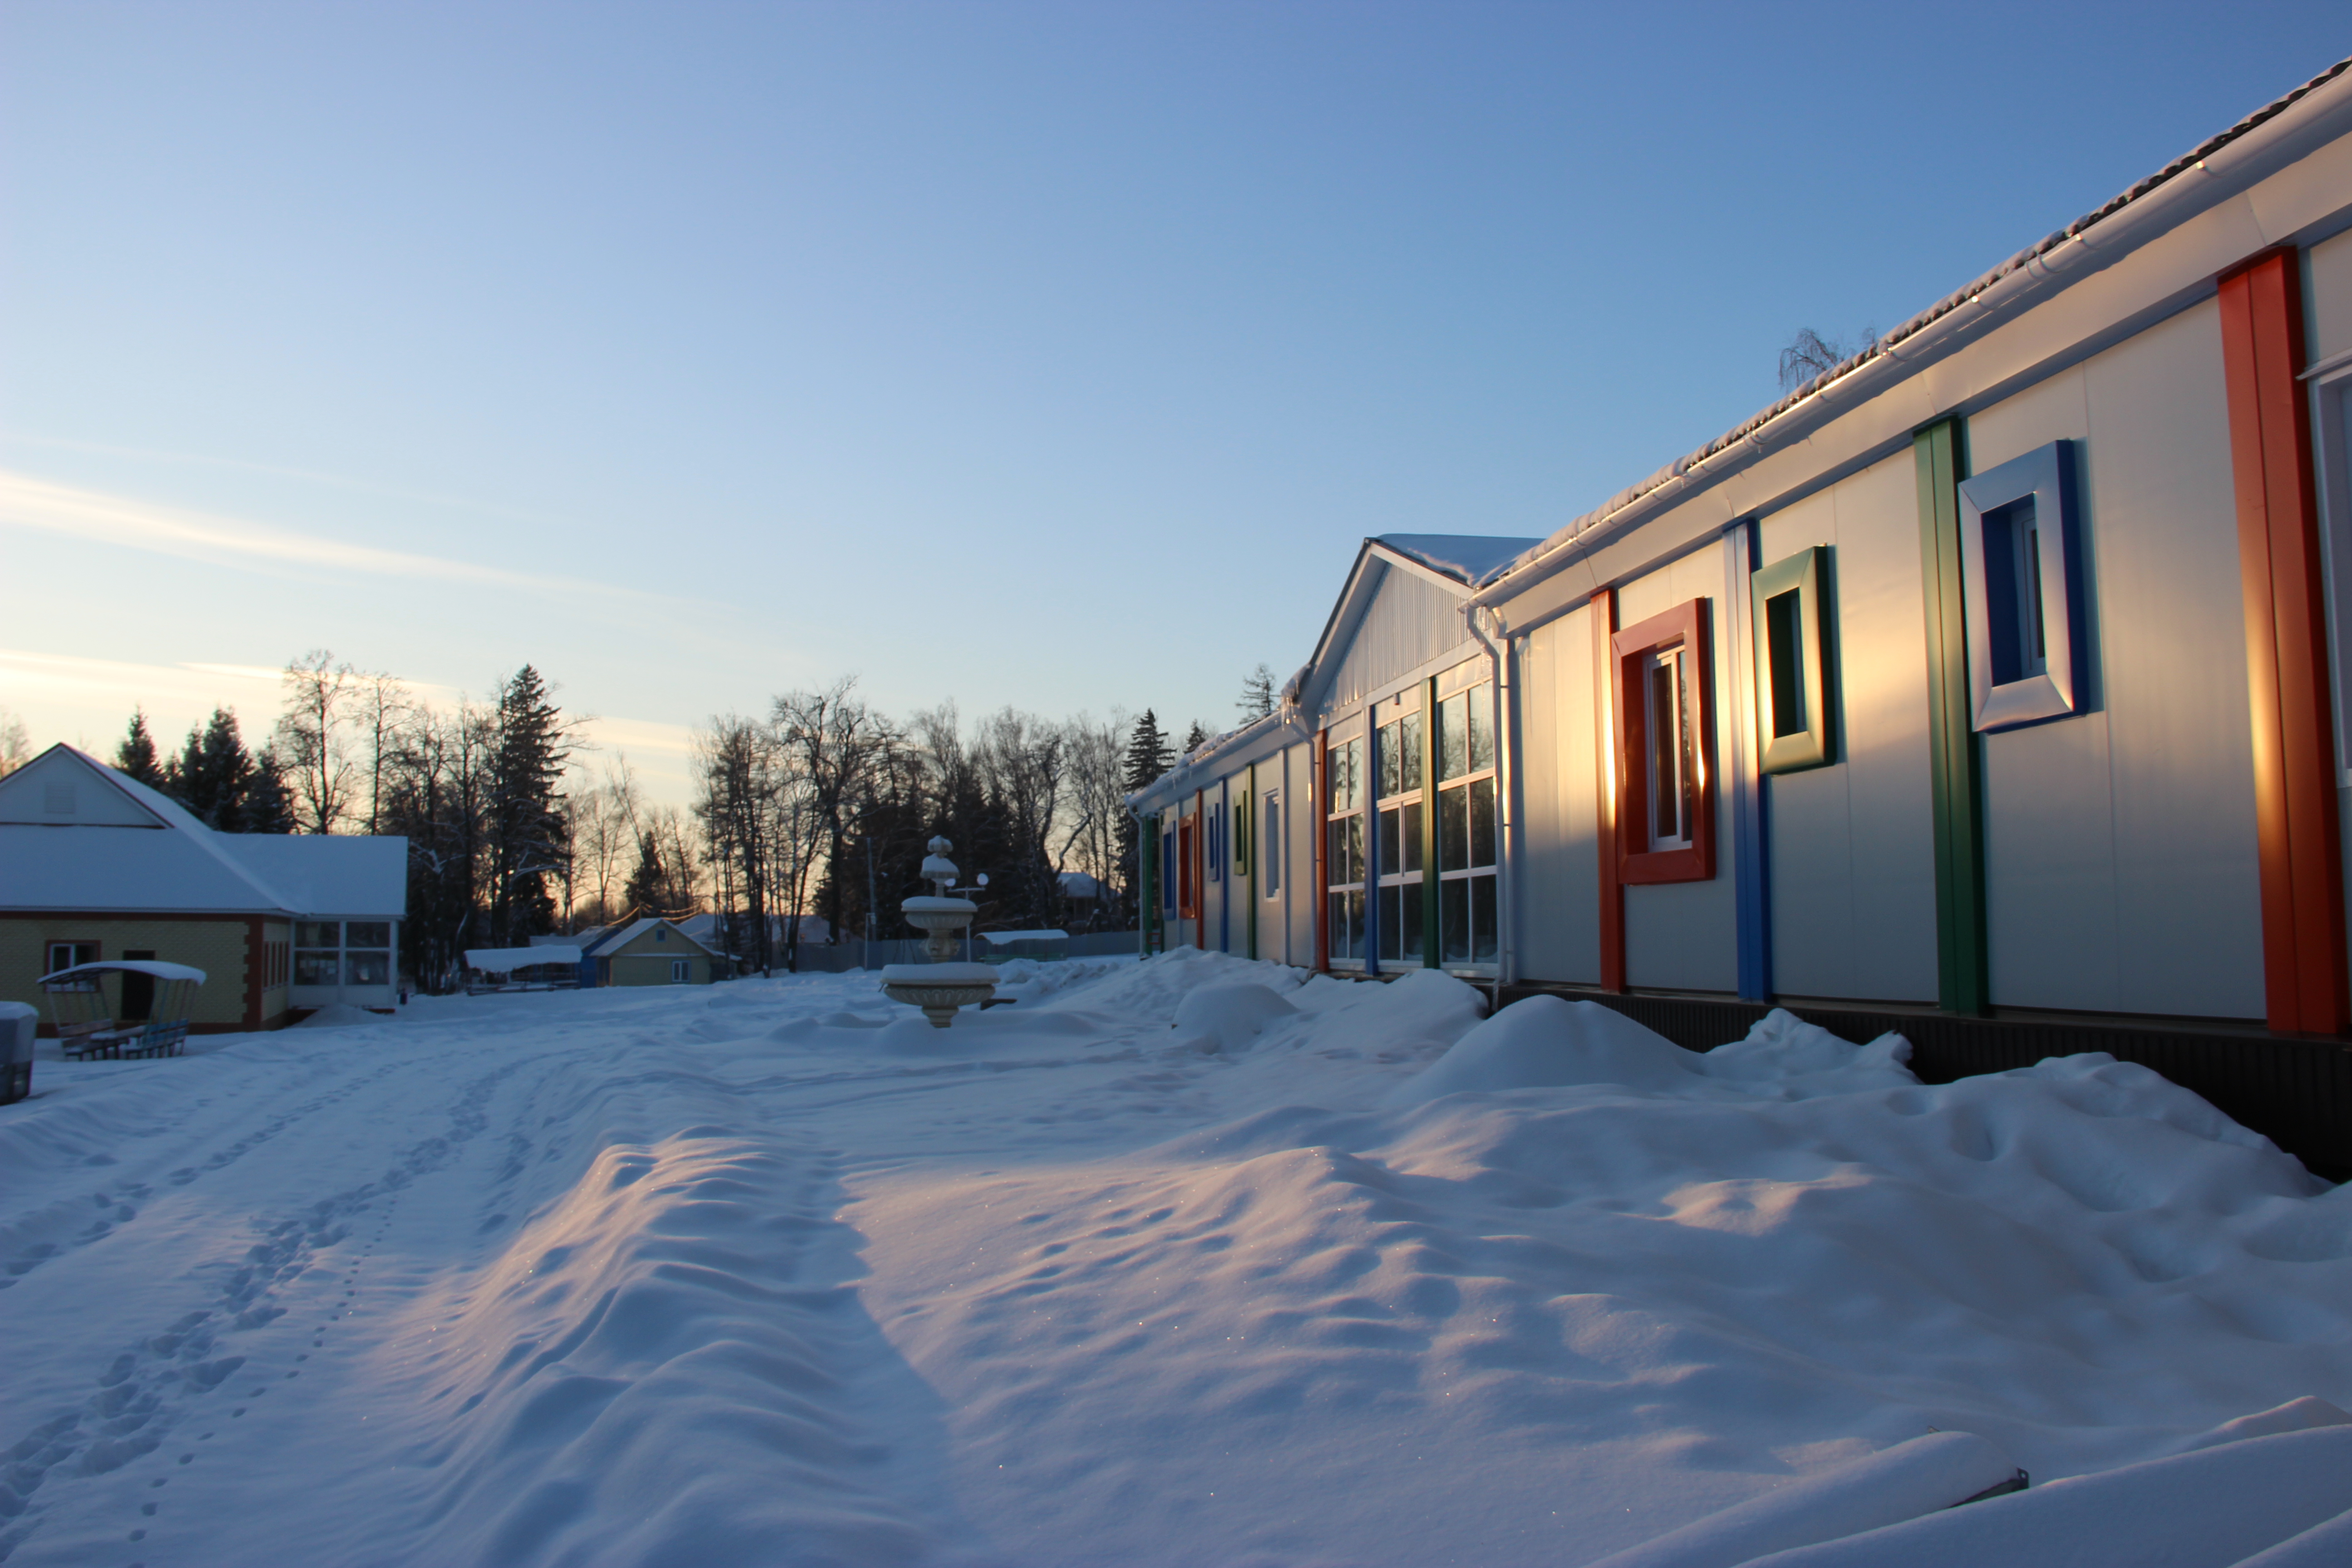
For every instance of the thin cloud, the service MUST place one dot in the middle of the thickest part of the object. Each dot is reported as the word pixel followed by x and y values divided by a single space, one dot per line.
pixel 29 503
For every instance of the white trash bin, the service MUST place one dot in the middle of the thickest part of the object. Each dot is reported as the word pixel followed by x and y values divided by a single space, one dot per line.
pixel 18 1021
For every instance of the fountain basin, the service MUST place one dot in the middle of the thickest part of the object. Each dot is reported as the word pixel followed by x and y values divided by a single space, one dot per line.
pixel 939 989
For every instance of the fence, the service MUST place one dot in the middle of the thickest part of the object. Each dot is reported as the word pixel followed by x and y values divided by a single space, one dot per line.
pixel 839 958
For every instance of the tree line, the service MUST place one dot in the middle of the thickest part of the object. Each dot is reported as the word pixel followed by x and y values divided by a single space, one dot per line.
pixel 821 807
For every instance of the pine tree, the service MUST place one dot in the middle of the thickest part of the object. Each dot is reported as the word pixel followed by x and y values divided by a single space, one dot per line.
pixel 647 888
pixel 269 804
pixel 1195 738
pixel 1256 699
pixel 529 836
pixel 212 774
pixel 136 755
pixel 1148 757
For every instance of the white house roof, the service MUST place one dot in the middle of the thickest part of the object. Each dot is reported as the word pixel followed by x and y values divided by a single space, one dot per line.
pixel 613 941
pixel 155 967
pixel 114 844
pixel 1467 557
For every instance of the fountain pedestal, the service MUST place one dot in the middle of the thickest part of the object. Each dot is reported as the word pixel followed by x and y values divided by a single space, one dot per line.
pixel 941 987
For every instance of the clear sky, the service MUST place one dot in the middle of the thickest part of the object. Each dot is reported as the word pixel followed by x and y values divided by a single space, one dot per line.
pixel 1050 356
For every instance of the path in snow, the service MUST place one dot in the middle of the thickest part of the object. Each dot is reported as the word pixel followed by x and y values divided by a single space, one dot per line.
pixel 1189 1261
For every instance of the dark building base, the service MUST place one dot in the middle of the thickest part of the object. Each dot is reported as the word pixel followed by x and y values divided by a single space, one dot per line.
pixel 2295 1091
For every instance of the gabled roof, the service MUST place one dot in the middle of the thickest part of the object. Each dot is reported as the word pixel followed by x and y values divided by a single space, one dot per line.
pixel 613 941
pixel 115 844
pixel 1466 557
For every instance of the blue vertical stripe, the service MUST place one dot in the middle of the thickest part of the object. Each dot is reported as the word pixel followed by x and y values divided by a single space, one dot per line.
pixel 1750 858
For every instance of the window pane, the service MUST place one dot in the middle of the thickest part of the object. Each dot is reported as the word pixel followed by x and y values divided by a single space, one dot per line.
pixel 1482 727
pixel 369 968
pixel 1686 732
pixel 1784 645
pixel 1355 926
pixel 1453 740
pixel 1482 823
pixel 317 934
pixel 367 933
pixel 1388 860
pixel 1482 920
pixel 314 969
pixel 1389 900
pixel 1413 827
pixel 1663 749
pixel 1453 912
pixel 1454 828
pixel 1412 943
pixel 1387 763
pixel 1409 752
pixel 1273 869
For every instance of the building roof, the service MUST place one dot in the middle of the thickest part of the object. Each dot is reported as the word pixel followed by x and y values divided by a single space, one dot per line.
pixel 507 960
pixel 111 843
pixel 613 941
pixel 1466 557
pixel 2224 164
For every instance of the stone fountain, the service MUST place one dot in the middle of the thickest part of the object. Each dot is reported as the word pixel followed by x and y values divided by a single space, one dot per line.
pixel 941 985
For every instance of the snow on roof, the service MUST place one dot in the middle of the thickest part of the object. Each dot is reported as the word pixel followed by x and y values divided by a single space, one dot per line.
pixel 91 855
pixel 1467 557
pixel 2039 258
pixel 155 967
pixel 613 941
pixel 507 960
pixel 1080 885
pixel 329 875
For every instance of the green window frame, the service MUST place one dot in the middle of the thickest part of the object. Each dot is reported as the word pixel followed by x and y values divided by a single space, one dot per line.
pixel 1790 602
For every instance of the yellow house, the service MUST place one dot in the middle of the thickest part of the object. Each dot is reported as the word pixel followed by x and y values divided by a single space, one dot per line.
pixel 649 952
pixel 94 865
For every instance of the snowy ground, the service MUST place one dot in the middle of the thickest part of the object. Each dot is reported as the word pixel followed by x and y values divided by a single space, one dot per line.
pixel 1188 1262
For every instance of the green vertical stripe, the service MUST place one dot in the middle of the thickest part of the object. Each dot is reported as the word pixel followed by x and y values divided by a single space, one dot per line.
pixel 1955 755
pixel 1249 836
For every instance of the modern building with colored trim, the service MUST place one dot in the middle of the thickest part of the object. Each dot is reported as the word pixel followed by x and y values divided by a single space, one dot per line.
pixel 1991 683
pixel 94 865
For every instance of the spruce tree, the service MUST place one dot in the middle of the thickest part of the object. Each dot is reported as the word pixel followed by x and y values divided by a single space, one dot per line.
pixel 269 804
pixel 212 772
pixel 1148 757
pixel 136 755
pixel 647 888
pixel 1195 738
pixel 528 837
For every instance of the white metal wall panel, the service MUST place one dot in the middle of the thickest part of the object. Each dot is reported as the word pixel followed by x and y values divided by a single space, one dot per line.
pixel 1684 936
pixel 2330 324
pixel 1852 867
pixel 2120 853
pixel 1555 894
pixel 1410 622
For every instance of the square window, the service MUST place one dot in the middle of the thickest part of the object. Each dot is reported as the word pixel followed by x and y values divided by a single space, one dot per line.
pixel 368 968
pixel 1666 748
pixel 318 933
pixel 316 969
pixel 367 933
pixel 67 954
pixel 2021 575
pixel 681 971
pixel 1792 667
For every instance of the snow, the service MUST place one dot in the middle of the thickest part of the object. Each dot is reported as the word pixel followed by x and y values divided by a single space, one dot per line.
pixel 1192 1261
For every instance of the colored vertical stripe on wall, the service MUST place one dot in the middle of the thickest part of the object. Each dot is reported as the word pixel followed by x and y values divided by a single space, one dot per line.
pixel 1955 758
pixel 2286 672
pixel 1604 792
pixel 1431 952
pixel 1750 857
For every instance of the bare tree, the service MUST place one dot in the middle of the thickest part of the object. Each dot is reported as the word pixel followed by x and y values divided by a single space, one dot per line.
pixel 383 702
pixel 1256 699
pixel 317 694
pixel 1809 355
pixel 1095 806
pixel 15 746
pixel 832 742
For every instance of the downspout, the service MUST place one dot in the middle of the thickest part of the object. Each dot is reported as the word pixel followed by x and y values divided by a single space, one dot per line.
pixel 1506 796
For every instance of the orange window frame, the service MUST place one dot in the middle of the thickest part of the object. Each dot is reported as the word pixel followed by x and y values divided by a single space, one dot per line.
pixel 1688 625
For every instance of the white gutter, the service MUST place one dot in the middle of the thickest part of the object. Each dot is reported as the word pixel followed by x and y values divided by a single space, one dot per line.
pixel 1506 875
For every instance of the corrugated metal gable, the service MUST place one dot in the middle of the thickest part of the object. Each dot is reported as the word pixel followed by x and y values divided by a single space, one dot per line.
pixel 1409 621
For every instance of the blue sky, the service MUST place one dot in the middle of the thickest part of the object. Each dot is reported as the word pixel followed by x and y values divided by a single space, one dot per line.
pixel 1051 355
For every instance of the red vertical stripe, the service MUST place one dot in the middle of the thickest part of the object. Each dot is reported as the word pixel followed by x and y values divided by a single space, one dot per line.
pixel 1604 771
pixel 2304 968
